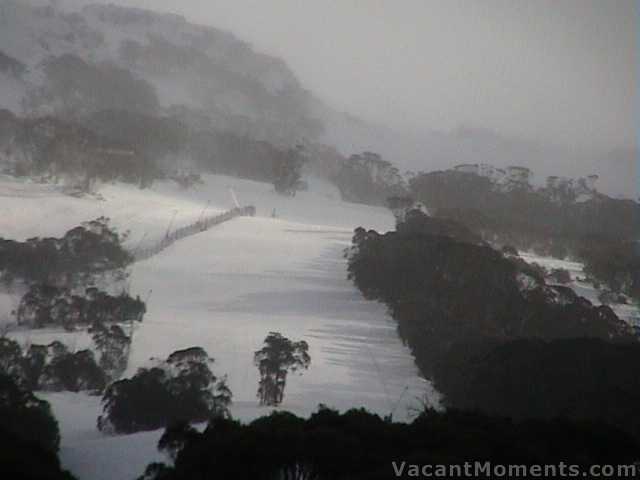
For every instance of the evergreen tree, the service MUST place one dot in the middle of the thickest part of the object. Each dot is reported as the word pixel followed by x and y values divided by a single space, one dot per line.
pixel 275 360
pixel 288 171
pixel 113 345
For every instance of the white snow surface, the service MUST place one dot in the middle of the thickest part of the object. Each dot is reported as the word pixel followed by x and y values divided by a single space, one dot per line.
pixel 225 290
pixel 627 312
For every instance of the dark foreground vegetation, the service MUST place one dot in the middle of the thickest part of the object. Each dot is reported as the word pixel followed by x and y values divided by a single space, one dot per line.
pixel 182 387
pixel 577 378
pixel 491 333
pixel 29 437
pixel 360 445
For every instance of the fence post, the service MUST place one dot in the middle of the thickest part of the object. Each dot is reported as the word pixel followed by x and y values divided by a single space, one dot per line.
pixel 201 225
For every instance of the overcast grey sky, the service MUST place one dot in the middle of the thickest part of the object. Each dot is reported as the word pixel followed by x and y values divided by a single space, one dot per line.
pixel 564 71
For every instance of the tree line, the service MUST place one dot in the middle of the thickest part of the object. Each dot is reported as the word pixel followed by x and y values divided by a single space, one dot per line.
pixel 491 333
pixel 80 255
pixel 552 220
pixel 360 445
pixel 46 305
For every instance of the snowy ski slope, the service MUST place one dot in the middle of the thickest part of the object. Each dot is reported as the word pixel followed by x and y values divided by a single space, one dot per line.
pixel 224 290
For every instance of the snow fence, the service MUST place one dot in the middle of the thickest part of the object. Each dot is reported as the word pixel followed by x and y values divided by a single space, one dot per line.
pixel 201 225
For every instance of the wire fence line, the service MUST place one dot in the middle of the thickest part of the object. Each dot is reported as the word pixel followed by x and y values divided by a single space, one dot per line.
pixel 199 226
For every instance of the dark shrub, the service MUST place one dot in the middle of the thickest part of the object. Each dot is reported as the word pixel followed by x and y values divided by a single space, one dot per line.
pixel 74 372
pixel 27 417
pixel 181 388
pixel 560 275
pixel 90 249
pixel 358 445
pixel 29 436
pixel 581 379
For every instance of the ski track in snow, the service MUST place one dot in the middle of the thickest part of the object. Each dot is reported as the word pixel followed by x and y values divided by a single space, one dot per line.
pixel 224 290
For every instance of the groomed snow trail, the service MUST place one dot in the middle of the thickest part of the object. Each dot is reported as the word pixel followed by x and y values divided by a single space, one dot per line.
pixel 224 290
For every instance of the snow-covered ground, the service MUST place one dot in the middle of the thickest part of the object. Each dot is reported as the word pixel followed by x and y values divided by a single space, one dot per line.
pixel 224 290
pixel 627 312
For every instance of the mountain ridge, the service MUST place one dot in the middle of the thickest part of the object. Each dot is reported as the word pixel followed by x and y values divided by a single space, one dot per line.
pixel 208 76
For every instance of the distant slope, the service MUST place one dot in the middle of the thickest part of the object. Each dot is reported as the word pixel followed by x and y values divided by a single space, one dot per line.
pixel 212 80
pixel 203 70
pixel 431 150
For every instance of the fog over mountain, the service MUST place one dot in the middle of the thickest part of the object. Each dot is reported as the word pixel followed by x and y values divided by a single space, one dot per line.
pixel 277 239
pixel 548 85
pixel 556 79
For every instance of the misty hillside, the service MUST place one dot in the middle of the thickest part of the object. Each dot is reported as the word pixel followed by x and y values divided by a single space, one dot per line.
pixel 209 271
pixel 201 72
pixel 430 150
pixel 112 92
pixel 74 62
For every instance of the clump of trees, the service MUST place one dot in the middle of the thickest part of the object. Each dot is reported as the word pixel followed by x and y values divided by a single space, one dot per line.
pixel 607 297
pixel 46 305
pixel 560 275
pixel 583 379
pixel 228 154
pixel 74 88
pixel 275 360
pixel 113 345
pixel 442 284
pixel 360 445
pixel 46 147
pixel 141 147
pixel 105 146
pixel 51 367
pixel 182 387
pixel 614 264
pixel 73 372
pixel 186 180
pixel 600 231
pixel 509 250
pixel 400 206
pixel 418 223
pixel 288 171
pixel 462 306
pixel 84 252
pixel 29 436
pixel 367 178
